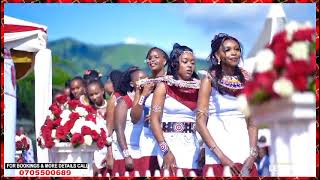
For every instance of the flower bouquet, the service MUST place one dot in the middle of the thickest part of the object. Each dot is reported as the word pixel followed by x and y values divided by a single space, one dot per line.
pixel 22 145
pixel 286 66
pixel 70 121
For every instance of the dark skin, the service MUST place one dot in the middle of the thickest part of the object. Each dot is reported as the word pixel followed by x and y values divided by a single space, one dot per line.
pixel 120 118
pixel 156 63
pixel 95 94
pixel 229 55
pixel 186 68
pixel 77 88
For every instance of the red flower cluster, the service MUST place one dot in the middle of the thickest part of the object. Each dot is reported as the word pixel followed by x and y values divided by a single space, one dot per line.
pixel 22 143
pixel 294 59
pixel 70 121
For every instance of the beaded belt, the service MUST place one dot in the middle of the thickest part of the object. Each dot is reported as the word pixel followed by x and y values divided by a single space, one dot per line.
pixel 179 127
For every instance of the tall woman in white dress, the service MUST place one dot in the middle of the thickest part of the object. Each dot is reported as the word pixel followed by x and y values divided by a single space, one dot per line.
pixel 231 140
pixel 156 60
pixel 173 116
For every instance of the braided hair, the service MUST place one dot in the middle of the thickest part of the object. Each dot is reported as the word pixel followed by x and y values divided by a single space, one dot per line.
pixel 173 63
pixel 216 43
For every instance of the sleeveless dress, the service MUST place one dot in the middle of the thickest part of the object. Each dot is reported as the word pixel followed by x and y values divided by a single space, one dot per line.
pixel 228 127
pixel 178 124
pixel 132 133
pixel 148 143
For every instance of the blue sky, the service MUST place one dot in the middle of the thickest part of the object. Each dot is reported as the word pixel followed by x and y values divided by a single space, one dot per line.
pixel 159 25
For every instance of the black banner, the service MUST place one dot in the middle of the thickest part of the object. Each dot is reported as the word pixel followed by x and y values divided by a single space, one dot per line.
pixel 46 165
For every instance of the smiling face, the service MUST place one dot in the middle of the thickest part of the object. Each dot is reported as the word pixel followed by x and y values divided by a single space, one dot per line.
pixel 229 53
pixel 136 76
pixel 156 60
pixel 186 66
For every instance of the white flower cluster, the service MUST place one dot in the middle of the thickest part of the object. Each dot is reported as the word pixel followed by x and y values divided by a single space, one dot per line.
pixel 19 138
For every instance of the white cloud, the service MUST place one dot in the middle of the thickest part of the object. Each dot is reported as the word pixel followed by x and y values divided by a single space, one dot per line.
pixel 131 40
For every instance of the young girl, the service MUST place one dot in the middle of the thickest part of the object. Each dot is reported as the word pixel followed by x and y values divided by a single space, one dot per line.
pixel 78 90
pixel 156 60
pixel 95 93
pixel 231 140
pixel 172 113
pixel 126 150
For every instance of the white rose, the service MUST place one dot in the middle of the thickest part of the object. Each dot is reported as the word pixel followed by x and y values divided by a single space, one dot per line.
pixel 82 111
pixel 264 61
pixel 299 50
pixel 56 141
pixel 87 140
pixel 243 105
pixel 17 138
pixel 77 126
pixel 283 87
pixel 51 115
pixel 53 133
pixel 290 29
pixel 65 116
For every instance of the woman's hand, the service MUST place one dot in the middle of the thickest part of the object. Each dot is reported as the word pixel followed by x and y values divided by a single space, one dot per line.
pixel 247 166
pixel 129 163
pixel 169 163
pixel 225 161
pixel 147 89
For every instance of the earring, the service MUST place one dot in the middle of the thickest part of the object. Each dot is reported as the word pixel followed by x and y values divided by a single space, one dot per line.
pixel 218 62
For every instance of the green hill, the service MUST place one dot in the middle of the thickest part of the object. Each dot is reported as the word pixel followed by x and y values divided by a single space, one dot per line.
pixel 77 56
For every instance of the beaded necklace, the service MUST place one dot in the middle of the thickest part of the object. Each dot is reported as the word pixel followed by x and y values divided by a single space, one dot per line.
pixel 231 82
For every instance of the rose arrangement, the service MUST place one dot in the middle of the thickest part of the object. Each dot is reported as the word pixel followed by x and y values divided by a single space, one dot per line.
pixel 71 121
pixel 286 65
pixel 22 143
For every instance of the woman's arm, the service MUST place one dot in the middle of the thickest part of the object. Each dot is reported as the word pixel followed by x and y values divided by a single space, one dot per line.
pixel 156 115
pixel 201 124
pixel 120 118
pixel 138 102
pixel 110 115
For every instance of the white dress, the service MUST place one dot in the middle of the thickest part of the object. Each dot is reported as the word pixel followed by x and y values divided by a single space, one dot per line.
pixel 184 146
pixel 228 127
pixel 148 143
pixel 132 133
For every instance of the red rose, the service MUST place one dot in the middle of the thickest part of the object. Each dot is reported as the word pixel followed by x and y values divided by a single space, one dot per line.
pixel 62 99
pixel 265 80
pixel 24 142
pixel 85 130
pixel 49 123
pixel 278 46
pixel 49 143
pixel 90 109
pixel 101 142
pixel 304 35
pixel 103 133
pixel 77 139
pixel 19 145
pixel 91 117
pixel 299 82
pixel 56 122
pixel 74 116
pixel 313 63
pixel 60 133
pixel 250 88
pixel 297 68
pixel 27 146
pixel 73 104
pixel 55 109
pixel 94 135
pixel 68 125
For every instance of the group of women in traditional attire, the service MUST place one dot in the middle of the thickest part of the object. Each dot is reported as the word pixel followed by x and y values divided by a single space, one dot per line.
pixel 172 121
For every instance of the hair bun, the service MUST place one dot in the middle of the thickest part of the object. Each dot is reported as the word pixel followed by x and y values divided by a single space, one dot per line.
pixel 176 45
